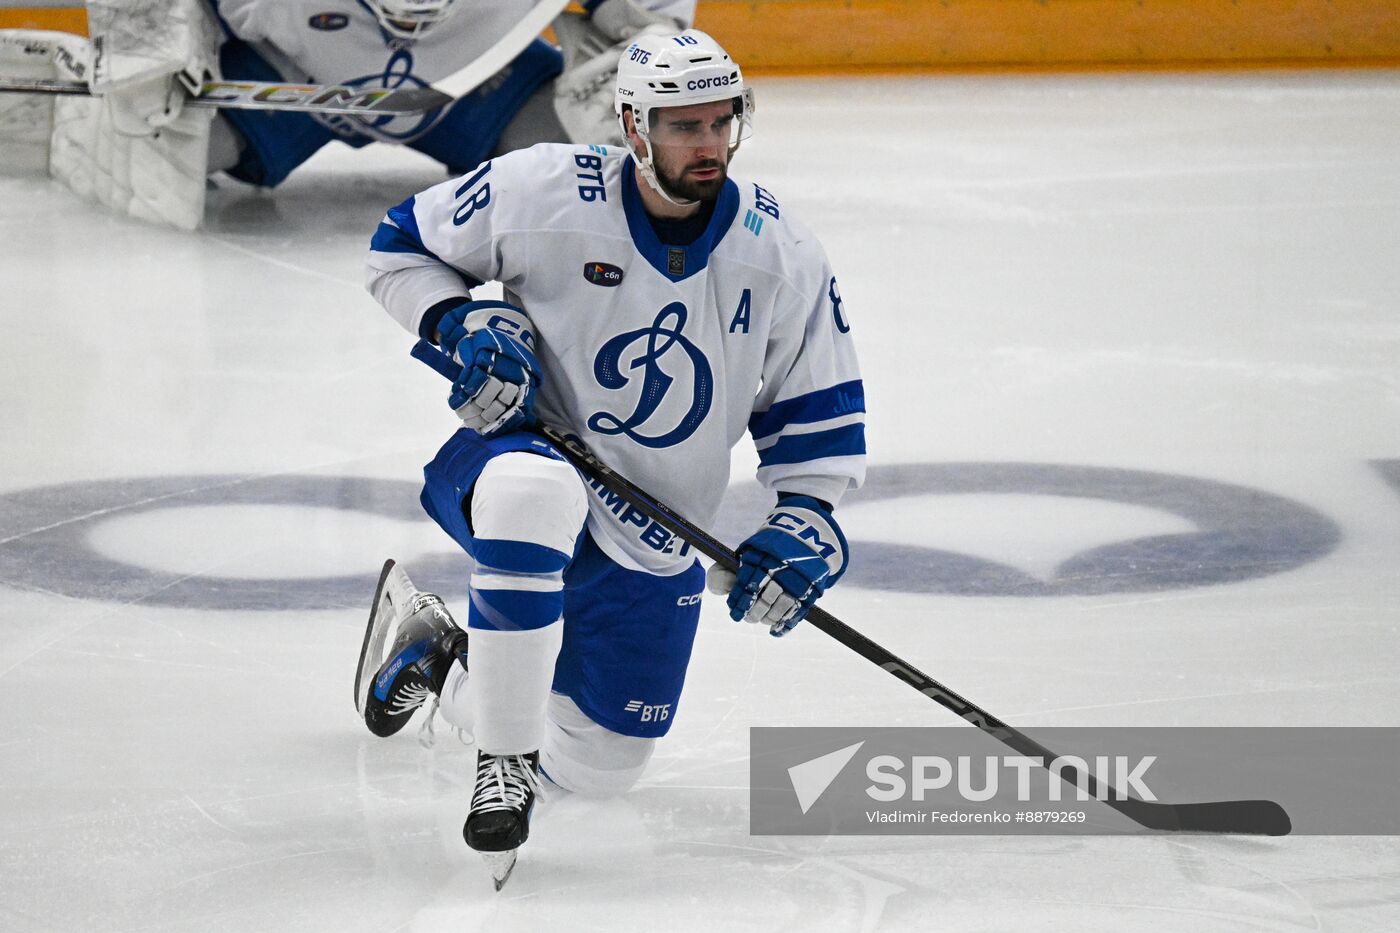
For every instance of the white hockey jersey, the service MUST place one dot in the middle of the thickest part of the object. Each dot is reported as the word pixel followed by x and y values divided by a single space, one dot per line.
pixel 659 357
pixel 340 42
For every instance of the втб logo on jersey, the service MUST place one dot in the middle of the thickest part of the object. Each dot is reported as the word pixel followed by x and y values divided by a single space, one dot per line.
pixel 663 342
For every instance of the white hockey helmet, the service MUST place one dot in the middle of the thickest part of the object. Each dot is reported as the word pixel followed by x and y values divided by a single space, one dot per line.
pixel 664 69
pixel 409 19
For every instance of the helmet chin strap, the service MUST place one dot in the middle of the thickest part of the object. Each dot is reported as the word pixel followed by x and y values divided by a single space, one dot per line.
pixel 649 173
pixel 648 167
pixel 644 162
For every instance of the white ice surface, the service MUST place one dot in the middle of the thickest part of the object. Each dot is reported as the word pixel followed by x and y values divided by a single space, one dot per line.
pixel 1195 276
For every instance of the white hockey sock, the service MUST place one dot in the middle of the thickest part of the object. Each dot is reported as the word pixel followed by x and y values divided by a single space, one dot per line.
pixel 508 688
pixel 527 512
pixel 455 705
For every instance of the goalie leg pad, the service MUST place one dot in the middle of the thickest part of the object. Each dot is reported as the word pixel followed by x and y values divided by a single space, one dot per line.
pixel 26 120
pixel 136 148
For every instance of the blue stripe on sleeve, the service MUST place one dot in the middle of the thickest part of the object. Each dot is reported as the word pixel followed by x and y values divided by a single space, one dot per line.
pixel 843 399
pixel 400 236
pixel 402 214
pixel 391 239
pixel 848 441
pixel 405 238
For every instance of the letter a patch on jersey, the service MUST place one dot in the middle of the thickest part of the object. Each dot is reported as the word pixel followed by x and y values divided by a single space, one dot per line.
pixel 741 314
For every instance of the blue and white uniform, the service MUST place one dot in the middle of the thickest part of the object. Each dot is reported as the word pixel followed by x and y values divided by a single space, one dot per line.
pixel 341 42
pixel 659 357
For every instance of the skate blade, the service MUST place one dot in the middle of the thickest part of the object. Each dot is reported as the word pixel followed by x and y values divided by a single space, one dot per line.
pixel 393 591
pixel 500 864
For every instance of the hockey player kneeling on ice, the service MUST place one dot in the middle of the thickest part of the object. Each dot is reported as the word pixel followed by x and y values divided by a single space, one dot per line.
pixel 655 307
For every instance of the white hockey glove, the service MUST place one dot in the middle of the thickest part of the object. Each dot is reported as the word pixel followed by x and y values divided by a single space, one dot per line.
pixel 583 94
pixel 784 566
pixel 148 55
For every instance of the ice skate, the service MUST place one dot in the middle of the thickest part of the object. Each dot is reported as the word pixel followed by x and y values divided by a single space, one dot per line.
pixel 499 821
pixel 425 644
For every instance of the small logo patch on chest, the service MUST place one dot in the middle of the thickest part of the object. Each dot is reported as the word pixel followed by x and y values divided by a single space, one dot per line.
pixel 675 261
pixel 328 22
pixel 602 273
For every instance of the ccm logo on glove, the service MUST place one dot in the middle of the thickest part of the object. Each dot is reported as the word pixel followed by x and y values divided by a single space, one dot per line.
pixel 795 556
pixel 806 532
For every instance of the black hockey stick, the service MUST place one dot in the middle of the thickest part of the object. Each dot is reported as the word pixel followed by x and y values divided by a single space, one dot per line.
pixel 1255 817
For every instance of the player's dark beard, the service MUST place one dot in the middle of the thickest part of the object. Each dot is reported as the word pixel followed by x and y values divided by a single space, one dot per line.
pixel 687 188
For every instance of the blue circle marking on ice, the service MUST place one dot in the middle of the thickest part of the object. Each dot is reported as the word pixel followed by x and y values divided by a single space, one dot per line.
pixel 1213 533
pixel 1235 532
pixel 48 534
pixel 1389 471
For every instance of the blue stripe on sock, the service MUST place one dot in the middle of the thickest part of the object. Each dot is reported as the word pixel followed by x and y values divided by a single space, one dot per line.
pixel 518 556
pixel 513 610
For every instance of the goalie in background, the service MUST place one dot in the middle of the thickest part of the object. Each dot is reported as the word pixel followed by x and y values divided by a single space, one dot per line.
pixel 412 43
pixel 138 150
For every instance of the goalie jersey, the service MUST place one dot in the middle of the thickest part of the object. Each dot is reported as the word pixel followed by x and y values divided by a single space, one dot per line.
pixel 340 42
pixel 659 357
pixel 335 40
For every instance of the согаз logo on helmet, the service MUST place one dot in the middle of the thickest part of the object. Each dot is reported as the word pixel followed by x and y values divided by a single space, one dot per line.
pixel 702 83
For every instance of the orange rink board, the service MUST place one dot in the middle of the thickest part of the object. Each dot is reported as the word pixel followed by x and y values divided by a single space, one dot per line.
pixel 815 36
pixel 837 35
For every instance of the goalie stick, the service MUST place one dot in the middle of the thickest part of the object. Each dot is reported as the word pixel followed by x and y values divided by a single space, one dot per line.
pixel 262 95
pixel 1253 817
pixel 339 98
